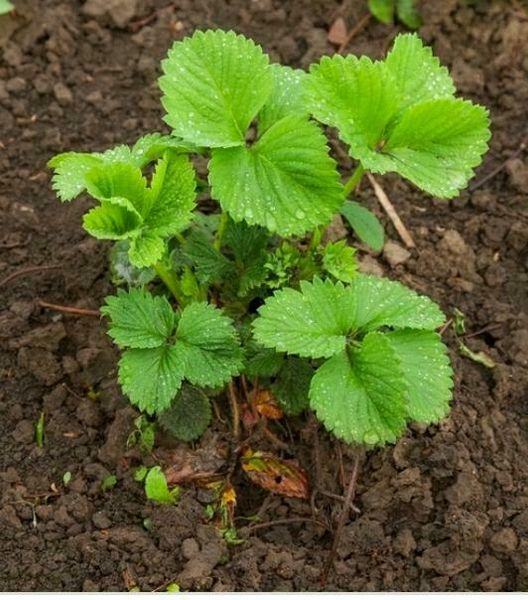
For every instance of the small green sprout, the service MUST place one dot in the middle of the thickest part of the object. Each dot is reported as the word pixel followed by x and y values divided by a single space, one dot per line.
pixel 39 430
pixel 143 435
pixel 6 7
pixel 66 478
pixel 156 487
pixel 108 483
pixel 405 11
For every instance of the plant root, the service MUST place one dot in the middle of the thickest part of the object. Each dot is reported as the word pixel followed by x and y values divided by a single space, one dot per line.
pixel 69 310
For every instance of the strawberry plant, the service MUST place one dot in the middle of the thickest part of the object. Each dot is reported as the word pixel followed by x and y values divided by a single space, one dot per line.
pixel 232 276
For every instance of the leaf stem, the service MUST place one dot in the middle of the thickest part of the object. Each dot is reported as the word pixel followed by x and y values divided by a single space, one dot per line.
pixel 170 280
pixel 354 180
pixel 221 230
pixel 235 414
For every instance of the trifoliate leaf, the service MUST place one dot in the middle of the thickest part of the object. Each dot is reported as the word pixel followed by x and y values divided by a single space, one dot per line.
pixel 400 115
pixel 189 415
pixel 365 224
pixel 339 260
pixel 70 170
pixel 214 84
pixel 208 263
pixel 172 195
pixel 383 10
pixel 360 395
pixel 112 221
pixel 315 321
pixel 285 182
pixel 437 144
pixel 210 344
pixel 156 487
pixel 293 384
pixel 139 319
pixel 427 373
pixel 151 377
pixel 312 322
pixel 287 96
pixel 408 13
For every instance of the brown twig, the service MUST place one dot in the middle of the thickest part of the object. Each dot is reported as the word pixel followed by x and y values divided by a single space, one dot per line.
pixel 480 182
pixel 27 271
pixel 391 212
pixel 445 326
pixel 483 330
pixel 252 528
pixel 345 513
pixel 69 310
pixel 359 26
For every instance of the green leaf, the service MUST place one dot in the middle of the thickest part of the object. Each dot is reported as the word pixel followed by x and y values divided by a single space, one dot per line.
pixel 360 396
pixel 209 264
pixel 383 10
pixel 339 260
pixel 408 13
pixel 111 221
pixel 123 271
pixel 293 384
pixel 315 321
pixel 365 224
pixel 260 361
pixel 427 372
pixel 246 242
pixel 210 345
pixel 151 377
pixel 285 182
pixel 156 487
pixel 139 319
pixel 146 250
pixel 356 95
pixel 173 193
pixel 152 146
pixel 188 416
pixel 214 84
pixel 437 144
pixel 6 7
pixel 418 74
pixel 287 96
pixel 119 183
pixel 70 170
pixel 312 322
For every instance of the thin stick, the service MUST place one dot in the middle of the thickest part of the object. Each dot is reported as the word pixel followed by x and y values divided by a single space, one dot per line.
pixel 69 310
pixel 499 168
pixel 483 330
pixel 345 513
pixel 391 212
pixel 286 522
pixel 27 271
pixel 359 26
pixel 235 413
pixel 445 327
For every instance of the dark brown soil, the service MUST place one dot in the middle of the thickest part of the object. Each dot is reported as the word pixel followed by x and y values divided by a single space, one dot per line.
pixel 445 509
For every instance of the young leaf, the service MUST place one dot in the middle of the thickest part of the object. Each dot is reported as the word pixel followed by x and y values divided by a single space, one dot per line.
pixel 139 319
pixel 360 396
pixel 188 416
pixel 214 84
pixel 123 271
pixel 70 170
pixel 156 487
pixel 172 195
pixel 365 224
pixel 408 14
pixel 152 146
pixel 112 220
pixel 146 250
pixel 383 10
pixel 210 345
pixel 339 259
pixel 151 377
pixel 285 182
pixel 208 263
pixel 287 96
pixel 6 7
pixel 293 384
pixel 427 373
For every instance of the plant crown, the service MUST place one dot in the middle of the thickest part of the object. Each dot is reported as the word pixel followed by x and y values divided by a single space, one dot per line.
pixel 360 351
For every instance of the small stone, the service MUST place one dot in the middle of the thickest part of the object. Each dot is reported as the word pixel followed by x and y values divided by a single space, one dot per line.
pixel 16 85
pixel 493 584
pixel 190 548
pixel 336 230
pixel 453 242
pixel 62 94
pixel 518 173
pixel 405 543
pixel 370 266
pixel 24 432
pixel 504 541
pixel 395 254
pixel 100 520
pixel 94 98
